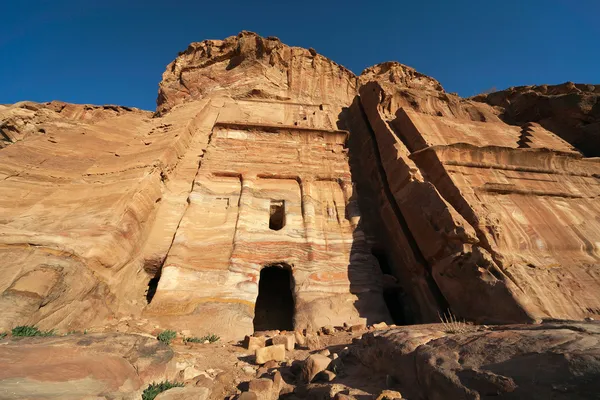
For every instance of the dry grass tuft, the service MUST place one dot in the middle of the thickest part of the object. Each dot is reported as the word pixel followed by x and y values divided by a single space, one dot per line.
pixel 453 325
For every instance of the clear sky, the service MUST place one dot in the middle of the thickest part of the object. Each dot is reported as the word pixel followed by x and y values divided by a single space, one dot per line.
pixel 114 52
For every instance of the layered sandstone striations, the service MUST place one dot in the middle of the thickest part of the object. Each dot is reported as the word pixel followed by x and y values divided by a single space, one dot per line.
pixel 274 148
pixel 170 217
pixel 501 217
pixel 378 197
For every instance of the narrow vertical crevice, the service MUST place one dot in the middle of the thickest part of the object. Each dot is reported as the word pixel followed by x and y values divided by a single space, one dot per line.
pixel 157 266
pixel 152 286
pixel 423 312
pixel 394 295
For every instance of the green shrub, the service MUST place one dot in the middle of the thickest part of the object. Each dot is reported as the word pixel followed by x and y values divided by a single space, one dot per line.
pixel 167 336
pixel 28 331
pixel 3 335
pixel 155 388
pixel 211 339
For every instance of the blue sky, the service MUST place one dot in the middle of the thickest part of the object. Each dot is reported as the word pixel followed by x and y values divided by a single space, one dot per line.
pixel 114 52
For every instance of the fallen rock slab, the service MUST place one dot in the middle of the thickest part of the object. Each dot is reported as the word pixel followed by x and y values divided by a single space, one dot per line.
pixel 255 342
pixel 275 353
pixel 288 340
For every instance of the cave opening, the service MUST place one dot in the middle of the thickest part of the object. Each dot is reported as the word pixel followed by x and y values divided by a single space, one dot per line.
pixel 393 294
pixel 274 307
pixel 277 215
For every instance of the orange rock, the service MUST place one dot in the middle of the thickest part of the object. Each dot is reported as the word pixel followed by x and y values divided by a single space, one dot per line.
pixel 176 218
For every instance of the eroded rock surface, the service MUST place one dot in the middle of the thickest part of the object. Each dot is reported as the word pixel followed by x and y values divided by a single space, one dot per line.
pixel 116 366
pixel 572 111
pixel 377 198
pixel 558 361
pixel 478 209
pixel 251 66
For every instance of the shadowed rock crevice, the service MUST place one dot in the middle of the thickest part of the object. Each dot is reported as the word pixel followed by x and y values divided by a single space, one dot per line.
pixel 420 302
pixel 393 293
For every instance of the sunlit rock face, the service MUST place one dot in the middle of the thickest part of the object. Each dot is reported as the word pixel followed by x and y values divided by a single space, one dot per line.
pixel 248 65
pixel 503 216
pixel 378 198
pixel 571 111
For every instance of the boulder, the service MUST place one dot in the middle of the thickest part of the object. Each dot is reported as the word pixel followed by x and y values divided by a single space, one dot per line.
pixel 248 396
pixel 275 353
pixel 380 325
pixel 325 376
pixel 288 340
pixel 255 342
pixel 358 328
pixel 314 364
pixel 190 373
pixel 389 395
pixel 280 386
pixel 313 342
pixel 263 388
pixel 300 338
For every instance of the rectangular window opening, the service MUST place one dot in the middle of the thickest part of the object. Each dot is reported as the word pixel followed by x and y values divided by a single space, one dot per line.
pixel 277 215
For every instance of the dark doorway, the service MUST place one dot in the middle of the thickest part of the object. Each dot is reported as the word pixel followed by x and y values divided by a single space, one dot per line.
pixel 393 295
pixel 275 304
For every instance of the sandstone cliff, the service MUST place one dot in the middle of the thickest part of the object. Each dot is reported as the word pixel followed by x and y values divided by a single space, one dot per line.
pixel 572 111
pixel 378 197
pixel 482 204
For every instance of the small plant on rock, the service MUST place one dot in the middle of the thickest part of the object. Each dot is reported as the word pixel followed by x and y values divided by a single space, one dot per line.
pixel 193 339
pixel 167 336
pixel 29 331
pixel 210 338
pixel 155 388
pixel 453 325
pixel 3 335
